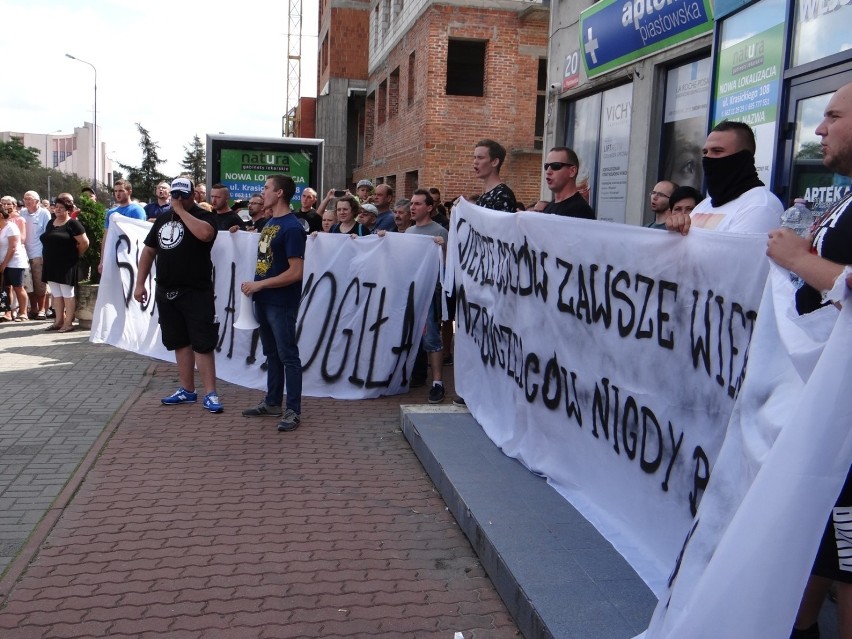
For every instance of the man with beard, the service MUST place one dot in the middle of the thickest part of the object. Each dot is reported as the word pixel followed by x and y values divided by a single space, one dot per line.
pixel 820 260
pixel 737 201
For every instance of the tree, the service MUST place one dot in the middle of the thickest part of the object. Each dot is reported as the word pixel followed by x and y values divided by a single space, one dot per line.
pixel 16 180
pixel 810 151
pixel 195 160
pixel 92 216
pixel 15 152
pixel 145 177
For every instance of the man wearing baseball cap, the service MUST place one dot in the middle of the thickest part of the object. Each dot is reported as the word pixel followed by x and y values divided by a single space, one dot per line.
pixel 181 240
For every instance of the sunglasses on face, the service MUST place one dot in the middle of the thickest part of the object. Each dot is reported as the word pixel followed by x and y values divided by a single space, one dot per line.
pixel 180 195
pixel 556 166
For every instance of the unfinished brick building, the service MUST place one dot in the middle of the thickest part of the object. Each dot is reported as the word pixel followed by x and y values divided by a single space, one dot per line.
pixel 442 75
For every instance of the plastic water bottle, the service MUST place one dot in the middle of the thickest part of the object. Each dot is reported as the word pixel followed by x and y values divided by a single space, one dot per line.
pixel 798 218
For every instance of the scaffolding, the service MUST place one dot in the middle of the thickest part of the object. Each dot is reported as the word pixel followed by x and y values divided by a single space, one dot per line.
pixel 294 68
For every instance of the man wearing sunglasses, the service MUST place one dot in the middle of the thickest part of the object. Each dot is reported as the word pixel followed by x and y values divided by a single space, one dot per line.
pixel 560 173
pixel 181 241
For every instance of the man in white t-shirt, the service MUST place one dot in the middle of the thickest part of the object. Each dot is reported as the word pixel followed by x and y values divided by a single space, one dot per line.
pixel 737 202
pixel 36 218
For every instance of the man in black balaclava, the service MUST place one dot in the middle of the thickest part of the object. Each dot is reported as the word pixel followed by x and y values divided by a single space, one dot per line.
pixel 737 202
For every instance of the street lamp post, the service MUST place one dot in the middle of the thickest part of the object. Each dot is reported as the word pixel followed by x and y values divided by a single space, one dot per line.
pixel 95 135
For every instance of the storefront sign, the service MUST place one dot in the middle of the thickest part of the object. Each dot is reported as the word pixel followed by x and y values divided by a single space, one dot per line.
pixel 244 172
pixel 749 73
pixel 616 32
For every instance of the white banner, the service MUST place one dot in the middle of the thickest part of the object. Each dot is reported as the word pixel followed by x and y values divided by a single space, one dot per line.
pixel 749 552
pixel 606 358
pixel 363 308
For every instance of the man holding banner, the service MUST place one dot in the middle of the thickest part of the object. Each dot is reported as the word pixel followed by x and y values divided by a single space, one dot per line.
pixel 737 202
pixel 277 290
pixel 181 242
pixel 818 260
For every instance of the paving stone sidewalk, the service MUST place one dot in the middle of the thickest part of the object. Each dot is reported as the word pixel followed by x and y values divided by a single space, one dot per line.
pixel 198 525
pixel 58 394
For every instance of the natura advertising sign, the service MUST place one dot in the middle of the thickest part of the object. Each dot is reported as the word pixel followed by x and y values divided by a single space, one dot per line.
pixel 616 32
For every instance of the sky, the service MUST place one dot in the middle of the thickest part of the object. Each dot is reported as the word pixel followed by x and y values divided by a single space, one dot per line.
pixel 179 68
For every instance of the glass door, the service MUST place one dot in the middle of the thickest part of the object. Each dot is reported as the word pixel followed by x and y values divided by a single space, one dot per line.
pixel 804 174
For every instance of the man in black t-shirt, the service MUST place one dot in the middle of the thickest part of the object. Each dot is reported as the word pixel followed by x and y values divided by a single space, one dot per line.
pixel 307 215
pixel 181 241
pixel 560 173
pixel 819 260
pixel 226 218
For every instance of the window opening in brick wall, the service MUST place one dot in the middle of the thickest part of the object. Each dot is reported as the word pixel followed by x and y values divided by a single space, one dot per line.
pixel 368 119
pixel 540 104
pixel 393 93
pixel 411 183
pixel 386 19
pixel 390 180
pixel 382 103
pixel 324 54
pixel 376 26
pixel 466 67
pixel 411 82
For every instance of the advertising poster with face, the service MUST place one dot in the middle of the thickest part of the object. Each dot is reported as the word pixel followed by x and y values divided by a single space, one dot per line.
pixel 685 122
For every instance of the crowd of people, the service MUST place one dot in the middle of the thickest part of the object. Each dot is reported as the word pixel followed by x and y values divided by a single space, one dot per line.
pixel 40 247
pixel 41 242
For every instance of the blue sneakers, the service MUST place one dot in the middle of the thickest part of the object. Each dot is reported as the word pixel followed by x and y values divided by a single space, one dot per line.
pixel 180 396
pixel 211 403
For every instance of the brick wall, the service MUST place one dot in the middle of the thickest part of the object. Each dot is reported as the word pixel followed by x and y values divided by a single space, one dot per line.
pixel 343 45
pixel 435 135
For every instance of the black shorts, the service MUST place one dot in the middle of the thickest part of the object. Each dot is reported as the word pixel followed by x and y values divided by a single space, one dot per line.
pixel 13 277
pixel 834 557
pixel 187 318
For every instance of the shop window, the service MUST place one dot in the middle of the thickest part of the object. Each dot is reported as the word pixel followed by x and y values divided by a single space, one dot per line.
pixel 685 123
pixel 598 129
pixel 820 29
pixel 749 71
pixel 466 67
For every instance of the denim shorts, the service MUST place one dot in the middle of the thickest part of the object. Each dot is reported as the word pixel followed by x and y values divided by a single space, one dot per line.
pixel 432 336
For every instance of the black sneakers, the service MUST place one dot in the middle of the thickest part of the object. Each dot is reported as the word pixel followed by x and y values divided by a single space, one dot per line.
pixel 436 394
